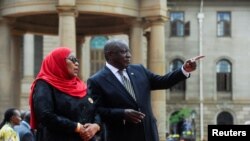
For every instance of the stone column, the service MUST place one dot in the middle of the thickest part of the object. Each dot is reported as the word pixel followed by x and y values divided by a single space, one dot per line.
pixel 83 55
pixel 16 46
pixel 10 68
pixel 67 30
pixel 28 60
pixel 5 71
pixel 147 36
pixel 157 64
pixel 136 45
pixel 85 59
pixel 28 69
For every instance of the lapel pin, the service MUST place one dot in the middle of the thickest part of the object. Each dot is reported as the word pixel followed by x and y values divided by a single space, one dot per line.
pixel 90 100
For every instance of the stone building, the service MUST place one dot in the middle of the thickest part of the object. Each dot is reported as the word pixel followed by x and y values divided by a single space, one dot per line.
pixel 218 92
pixel 162 34
pixel 27 27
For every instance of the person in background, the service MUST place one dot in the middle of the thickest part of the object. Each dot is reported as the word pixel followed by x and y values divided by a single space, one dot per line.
pixel 24 130
pixel 61 109
pixel 12 117
pixel 123 94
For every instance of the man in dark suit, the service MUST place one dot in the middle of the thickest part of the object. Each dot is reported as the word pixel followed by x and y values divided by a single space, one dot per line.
pixel 24 130
pixel 127 112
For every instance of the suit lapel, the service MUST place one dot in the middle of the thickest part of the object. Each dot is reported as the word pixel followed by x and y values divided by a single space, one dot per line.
pixel 110 77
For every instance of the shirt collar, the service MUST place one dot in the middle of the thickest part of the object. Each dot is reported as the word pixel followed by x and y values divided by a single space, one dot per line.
pixel 112 68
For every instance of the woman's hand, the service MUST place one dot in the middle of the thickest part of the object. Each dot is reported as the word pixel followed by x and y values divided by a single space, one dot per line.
pixel 89 131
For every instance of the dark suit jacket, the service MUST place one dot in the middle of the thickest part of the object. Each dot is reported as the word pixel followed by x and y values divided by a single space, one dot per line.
pixel 24 132
pixel 112 98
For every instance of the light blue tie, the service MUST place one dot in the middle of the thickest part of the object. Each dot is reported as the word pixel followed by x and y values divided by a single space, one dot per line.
pixel 127 84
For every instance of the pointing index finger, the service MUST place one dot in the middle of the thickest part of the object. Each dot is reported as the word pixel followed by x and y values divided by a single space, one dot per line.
pixel 197 57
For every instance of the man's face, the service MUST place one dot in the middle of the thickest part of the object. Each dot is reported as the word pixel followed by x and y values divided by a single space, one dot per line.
pixel 120 57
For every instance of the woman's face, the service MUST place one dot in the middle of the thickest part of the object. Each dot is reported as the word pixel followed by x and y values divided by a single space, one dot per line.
pixel 72 65
pixel 16 118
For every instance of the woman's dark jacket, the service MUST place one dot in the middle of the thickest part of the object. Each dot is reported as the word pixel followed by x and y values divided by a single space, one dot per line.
pixel 57 113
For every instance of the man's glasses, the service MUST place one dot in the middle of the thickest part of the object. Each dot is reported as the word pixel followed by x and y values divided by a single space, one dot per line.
pixel 73 59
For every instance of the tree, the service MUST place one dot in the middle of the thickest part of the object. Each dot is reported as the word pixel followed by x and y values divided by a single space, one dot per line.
pixel 180 115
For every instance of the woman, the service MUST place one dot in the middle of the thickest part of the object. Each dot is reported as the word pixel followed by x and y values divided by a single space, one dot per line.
pixel 60 107
pixel 12 117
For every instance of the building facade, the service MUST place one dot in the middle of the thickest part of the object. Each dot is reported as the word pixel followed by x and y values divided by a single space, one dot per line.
pixel 162 34
pixel 27 27
pixel 218 92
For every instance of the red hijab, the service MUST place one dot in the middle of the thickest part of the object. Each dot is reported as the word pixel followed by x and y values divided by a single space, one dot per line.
pixel 54 71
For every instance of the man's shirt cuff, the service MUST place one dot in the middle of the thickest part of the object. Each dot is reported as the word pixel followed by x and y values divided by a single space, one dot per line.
pixel 187 74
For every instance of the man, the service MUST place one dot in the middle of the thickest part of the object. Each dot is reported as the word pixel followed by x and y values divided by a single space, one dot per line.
pixel 127 113
pixel 24 130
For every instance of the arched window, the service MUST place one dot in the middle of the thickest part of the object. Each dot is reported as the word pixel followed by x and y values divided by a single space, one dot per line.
pixel 98 42
pixel 224 76
pixel 181 86
pixel 225 118
pixel 97 57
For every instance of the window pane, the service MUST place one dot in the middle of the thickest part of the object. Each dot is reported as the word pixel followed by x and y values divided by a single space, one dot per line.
pixel 177 16
pixel 224 76
pixel 225 118
pixel 177 63
pixel 223 16
pixel 177 23
pixel 180 29
pixel 223 23
pixel 220 31
pixel 97 57
pixel 223 66
pixel 98 41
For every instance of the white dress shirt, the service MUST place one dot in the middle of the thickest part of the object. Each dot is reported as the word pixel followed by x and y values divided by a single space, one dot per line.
pixel 116 73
